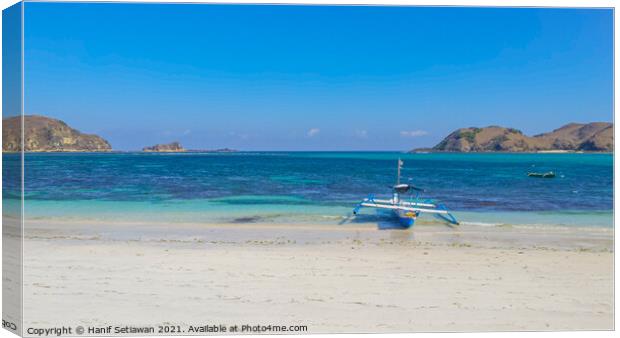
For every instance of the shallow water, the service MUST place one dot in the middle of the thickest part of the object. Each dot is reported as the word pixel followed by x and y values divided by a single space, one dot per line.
pixel 246 187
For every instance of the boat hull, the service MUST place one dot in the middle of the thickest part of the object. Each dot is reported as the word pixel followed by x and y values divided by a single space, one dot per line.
pixel 550 174
pixel 406 218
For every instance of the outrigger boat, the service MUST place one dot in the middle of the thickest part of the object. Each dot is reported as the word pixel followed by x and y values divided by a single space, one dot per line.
pixel 407 211
pixel 549 174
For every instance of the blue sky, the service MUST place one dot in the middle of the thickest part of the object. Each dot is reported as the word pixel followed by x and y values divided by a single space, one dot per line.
pixel 313 77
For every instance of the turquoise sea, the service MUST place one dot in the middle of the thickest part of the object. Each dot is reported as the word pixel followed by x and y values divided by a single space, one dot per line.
pixel 309 187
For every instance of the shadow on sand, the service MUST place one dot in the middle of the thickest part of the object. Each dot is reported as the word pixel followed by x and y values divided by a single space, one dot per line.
pixel 384 220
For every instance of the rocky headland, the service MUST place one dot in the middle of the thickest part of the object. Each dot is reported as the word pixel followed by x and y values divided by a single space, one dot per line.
pixel 44 134
pixel 595 136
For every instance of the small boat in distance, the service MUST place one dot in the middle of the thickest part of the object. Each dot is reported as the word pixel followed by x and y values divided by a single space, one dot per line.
pixel 549 174
pixel 407 211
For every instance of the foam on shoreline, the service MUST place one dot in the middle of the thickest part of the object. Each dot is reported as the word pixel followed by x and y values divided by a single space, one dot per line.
pixel 570 238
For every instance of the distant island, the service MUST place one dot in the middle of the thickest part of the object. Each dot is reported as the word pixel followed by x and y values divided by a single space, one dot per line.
pixel 173 147
pixel 590 137
pixel 44 134
pixel 221 150
pixel 176 147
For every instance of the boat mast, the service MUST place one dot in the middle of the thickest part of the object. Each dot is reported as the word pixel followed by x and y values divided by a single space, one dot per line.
pixel 395 195
pixel 400 165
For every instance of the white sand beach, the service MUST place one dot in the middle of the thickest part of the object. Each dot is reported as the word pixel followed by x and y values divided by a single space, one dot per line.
pixel 350 278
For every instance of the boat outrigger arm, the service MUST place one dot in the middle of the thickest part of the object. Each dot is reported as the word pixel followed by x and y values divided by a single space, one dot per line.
pixel 412 206
pixel 406 211
pixel 412 209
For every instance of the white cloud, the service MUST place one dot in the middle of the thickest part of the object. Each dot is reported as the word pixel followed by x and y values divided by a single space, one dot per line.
pixel 176 132
pixel 241 136
pixel 361 133
pixel 313 131
pixel 413 133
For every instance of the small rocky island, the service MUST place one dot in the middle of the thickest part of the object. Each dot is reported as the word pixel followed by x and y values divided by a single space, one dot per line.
pixel 596 136
pixel 176 147
pixel 44 134
pixel 173 147
pixel 221 150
